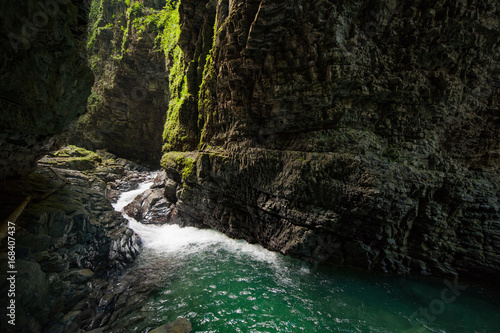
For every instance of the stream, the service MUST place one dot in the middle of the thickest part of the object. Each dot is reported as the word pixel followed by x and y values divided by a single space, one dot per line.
pixel 226 285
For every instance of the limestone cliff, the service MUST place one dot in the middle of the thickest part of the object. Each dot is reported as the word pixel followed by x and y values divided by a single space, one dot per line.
pixel 128 104
pixel 44 78
pixel 363 133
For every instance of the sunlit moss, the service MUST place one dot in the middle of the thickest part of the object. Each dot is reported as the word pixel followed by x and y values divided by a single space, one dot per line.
pixel 185 161
pixel 173 133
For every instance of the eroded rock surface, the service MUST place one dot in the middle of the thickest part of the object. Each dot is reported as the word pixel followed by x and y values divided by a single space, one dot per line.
pixel 152 206
pixel 130 96
pixel 360 133
pixel 66 241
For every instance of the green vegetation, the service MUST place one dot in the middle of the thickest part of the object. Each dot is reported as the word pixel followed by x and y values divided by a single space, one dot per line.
pixel 168 20
pixel 132 19
pixel 94 100
pixel 76 158
pixel 122 21
pixel 189 168
pixel 95 19
pixel 100 19
pixel 74 151
pixel 185 161
pixel 173 134
pixel 135 9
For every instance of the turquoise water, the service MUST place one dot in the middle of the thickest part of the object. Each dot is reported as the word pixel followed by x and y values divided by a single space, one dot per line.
pixel 226 285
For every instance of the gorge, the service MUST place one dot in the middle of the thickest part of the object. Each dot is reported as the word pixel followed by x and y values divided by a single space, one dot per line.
pixel 360 135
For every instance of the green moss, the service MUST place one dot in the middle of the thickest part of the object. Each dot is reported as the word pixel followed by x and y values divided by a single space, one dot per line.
pixel 182 162
pixel 168 20
pixel 173 133
pixel 74 151
pixel 135 9
pixel 95 18
pixel 149 21
pixel 76 158
pixel 94 62
pixel 94 100
pixel 189 168
pixel 169 160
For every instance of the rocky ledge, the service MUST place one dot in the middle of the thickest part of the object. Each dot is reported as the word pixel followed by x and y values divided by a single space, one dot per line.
pixel 343 209
pixel 69 242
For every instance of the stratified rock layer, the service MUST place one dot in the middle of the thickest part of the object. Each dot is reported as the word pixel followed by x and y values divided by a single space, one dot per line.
pixel 363 133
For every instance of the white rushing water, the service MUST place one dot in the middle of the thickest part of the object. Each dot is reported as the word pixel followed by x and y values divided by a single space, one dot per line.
pixel 226 285
pixel 129 196
pixel 188 240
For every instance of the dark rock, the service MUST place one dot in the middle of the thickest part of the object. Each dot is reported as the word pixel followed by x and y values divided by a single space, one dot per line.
pixel 159 180
pixel 170 191
pixel 150 207
pixel 180 325
pixel 348 133
pixel 71 238
pixel 78 276
pixel 120 301
pixel 54 263
pixel 44 80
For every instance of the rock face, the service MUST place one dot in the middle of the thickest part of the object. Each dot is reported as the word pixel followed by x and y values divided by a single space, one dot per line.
pixel 129 99
pixel 44 78
pixel 66 244
pixel 181 325
pixel 362 133
pixel 152 206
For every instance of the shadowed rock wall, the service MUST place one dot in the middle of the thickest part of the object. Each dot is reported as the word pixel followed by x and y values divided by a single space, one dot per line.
pixel 363 133
pixel 44 78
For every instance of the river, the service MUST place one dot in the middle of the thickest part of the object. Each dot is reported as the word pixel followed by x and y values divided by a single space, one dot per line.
pixel 226 285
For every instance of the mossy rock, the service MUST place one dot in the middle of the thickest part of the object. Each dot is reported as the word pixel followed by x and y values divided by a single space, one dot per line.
pixel 75 158
pixel 74 151
pixel 183 163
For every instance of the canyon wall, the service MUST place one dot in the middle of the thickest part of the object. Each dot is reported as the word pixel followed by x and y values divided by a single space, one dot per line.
pixel 129 99
pixel 44 78
pixel 361 133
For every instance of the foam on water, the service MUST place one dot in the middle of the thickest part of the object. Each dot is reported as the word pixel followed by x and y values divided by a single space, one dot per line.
pixel 226 285
pixel 129 196
pixel 172 238
pixel 187 240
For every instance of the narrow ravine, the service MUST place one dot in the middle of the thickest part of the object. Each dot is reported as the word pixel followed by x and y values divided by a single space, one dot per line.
pixel 226 285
